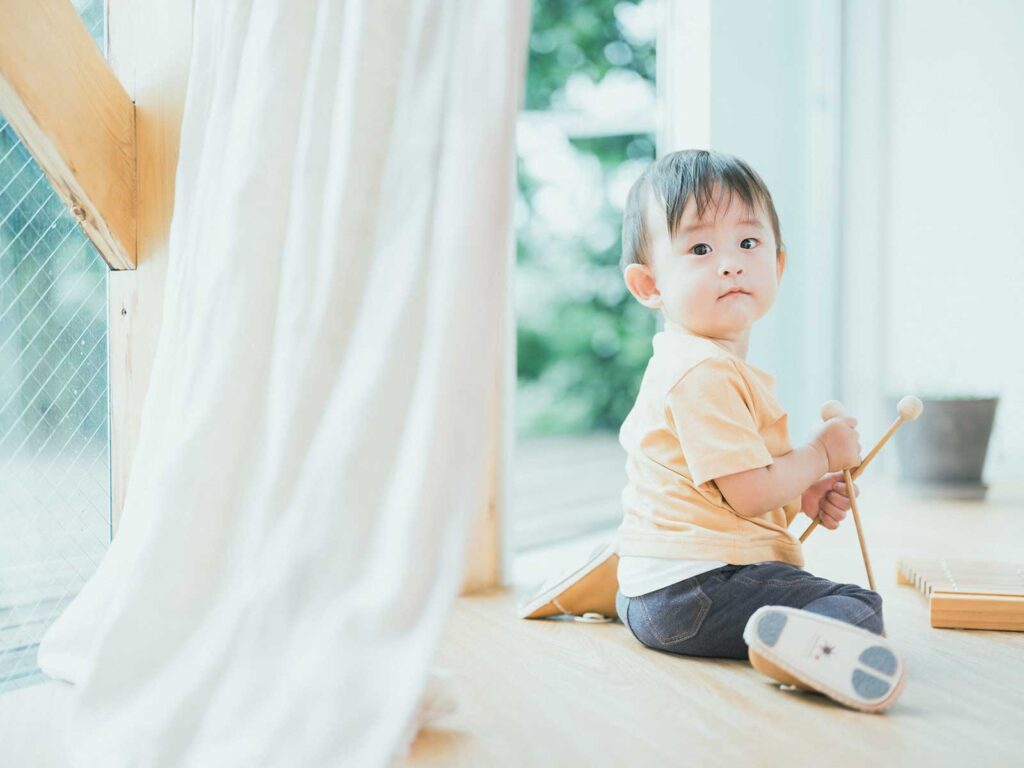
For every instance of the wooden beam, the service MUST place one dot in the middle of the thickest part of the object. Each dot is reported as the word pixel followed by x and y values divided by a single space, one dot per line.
pixel 72 114
pixel 149 48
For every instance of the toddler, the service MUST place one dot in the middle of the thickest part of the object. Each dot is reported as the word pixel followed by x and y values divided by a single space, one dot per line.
pixel 707 565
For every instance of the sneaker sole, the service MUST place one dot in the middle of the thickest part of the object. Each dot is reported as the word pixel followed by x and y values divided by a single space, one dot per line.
pixel 846 663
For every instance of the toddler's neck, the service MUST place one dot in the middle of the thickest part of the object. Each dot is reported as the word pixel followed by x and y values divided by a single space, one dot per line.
pixel 736 346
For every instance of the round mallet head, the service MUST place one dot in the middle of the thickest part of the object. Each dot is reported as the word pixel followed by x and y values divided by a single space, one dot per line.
pixel 831 409
pixel 910 408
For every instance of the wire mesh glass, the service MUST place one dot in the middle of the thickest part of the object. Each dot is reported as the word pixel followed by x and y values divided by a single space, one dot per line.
pixel 54 403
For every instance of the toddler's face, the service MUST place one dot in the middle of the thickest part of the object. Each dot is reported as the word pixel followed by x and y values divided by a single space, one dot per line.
pixel 716 276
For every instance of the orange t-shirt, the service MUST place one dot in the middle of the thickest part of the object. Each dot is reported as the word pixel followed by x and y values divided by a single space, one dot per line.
pixel 702 412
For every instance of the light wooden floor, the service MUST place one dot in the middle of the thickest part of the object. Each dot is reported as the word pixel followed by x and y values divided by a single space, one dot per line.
pixel 560 693
pixel 565 486
pixel 564 694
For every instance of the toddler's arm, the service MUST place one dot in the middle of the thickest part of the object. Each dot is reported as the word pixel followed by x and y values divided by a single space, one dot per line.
pixel 835 446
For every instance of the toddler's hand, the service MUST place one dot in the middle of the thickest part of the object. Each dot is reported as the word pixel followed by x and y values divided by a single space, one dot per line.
pixel 839 443
pixel 829 500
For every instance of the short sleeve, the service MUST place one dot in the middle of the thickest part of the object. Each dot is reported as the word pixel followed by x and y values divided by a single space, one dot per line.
pixel 792 509
pixel 711 410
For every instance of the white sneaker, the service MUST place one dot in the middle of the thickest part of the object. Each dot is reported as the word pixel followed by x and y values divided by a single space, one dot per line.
pixel 587 589
pixel 846 663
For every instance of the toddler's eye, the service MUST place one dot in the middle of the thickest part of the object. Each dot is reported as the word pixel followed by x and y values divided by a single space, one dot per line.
pixel 748 240
pixel 701 245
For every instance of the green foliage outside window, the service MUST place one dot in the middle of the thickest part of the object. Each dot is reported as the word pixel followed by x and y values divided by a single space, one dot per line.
pixel 582 340
pixel 590 38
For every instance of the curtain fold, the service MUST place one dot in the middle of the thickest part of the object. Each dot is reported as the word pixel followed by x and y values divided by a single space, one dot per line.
pixel 316 435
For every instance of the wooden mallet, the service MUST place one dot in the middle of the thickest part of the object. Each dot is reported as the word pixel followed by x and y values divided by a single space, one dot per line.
pixel 909 408
pixel 830 410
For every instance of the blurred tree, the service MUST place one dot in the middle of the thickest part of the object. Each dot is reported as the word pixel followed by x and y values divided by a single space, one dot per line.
pixel 582 340
pixel 589 38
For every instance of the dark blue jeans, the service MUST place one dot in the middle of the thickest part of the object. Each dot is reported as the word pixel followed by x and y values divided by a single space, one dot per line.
pixel 705 614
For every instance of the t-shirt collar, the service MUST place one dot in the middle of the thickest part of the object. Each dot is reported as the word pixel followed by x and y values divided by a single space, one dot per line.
pixel 675 328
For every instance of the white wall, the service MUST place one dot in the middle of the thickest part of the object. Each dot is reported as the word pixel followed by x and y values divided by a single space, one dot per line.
pixel 953 258
pixel 891 133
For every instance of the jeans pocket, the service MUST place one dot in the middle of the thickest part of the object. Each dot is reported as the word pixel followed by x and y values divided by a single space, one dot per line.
pixel 676 613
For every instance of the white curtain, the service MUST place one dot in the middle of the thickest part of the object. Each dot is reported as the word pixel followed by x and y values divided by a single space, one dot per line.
pixel 316 435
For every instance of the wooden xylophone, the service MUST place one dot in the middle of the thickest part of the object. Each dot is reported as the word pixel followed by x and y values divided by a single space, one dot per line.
pixel 968 594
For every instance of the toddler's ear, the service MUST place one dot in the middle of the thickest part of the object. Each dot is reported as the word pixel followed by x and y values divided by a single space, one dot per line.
pixel 640 282
pixel 780 264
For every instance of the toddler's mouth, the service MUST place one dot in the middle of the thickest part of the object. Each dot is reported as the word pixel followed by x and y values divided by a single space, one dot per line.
pixel 734 292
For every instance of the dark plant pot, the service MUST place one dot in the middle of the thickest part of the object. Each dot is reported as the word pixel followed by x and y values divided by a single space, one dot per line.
pixel 943 452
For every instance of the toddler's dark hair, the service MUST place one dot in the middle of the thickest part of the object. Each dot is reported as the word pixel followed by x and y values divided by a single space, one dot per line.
pixel 680 176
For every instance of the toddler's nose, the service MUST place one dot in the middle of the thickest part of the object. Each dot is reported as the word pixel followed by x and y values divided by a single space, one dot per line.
pixel 725 270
